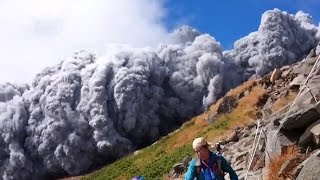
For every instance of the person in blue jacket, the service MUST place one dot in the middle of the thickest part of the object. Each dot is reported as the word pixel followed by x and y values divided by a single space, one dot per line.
pixel 208 165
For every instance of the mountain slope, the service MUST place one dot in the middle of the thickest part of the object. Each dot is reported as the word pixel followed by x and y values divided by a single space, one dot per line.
pixel 233 120
pixel 157 160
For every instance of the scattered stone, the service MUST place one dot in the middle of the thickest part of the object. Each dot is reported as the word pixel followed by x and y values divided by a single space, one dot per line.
pixel 306 138
pixel 312 53
pixel 178 168
pixel 297 82
pixel 233 137
pixel 137 152
pixel 276 74
pixel 318 50
pixel 284 68
pixel 246 93
pixel 244 133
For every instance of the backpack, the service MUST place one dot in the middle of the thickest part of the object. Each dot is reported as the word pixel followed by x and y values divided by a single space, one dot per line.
pixel 217 164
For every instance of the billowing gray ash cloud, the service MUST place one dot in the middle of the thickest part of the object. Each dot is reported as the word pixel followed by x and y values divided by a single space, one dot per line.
pixel 282 39
pixel 90 110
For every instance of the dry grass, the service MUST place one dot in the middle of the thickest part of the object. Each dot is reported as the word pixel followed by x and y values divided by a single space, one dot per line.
pixel 242 115
pixel 246 108
pixel 239 89
pixel 289 153
pixel 233 92
pixel 282 102
pixel 187 134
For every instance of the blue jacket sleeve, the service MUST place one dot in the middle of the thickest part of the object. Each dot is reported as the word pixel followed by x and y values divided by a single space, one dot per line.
pixel 227 168
pixel 191 172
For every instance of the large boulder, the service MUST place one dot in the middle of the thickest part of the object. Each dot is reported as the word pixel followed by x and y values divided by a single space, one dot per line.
pixel 311 170
pixel 305 67
pixel 297 81
pixel 306 138
pixel 302 118
pixel 273 146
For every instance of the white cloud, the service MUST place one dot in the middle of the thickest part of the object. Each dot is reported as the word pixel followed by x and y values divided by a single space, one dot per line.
pixel 37 33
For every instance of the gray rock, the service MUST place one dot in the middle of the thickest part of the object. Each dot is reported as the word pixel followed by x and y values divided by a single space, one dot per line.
pixel 301 119
pixel 246 93
pixel 233 137
pixel 239 167
pixel 276 74
pixel 256 175
pixel 311 170
pixel 316 134
pixel 298 169
pixel 306 137
pixel 312 53
pixel 137 152
pixel 286 73
pixel 178 169
pixel 273 146
pixel 297 81
pixel 241 156
pixel 318 50
pixel 304 67
pixel 284 68
pixel 244 133
pixel 311 92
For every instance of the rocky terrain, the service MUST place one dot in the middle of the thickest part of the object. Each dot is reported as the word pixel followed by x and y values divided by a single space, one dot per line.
pixel 287 137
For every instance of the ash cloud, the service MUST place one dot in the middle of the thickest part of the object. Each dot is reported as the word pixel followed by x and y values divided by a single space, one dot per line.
pixel 87 110
pixel 281 39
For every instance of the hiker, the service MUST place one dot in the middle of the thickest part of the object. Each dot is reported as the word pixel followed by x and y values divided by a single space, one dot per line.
pixel 208 165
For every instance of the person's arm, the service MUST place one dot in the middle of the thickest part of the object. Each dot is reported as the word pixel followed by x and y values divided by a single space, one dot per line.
pixel 191 172
pixel 227 168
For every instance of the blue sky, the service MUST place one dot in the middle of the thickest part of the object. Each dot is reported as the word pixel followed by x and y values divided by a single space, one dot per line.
pixel 229 20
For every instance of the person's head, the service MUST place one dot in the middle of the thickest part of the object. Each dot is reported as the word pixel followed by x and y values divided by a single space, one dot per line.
pixel 201 147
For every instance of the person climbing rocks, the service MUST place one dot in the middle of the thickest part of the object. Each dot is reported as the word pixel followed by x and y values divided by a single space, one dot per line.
pixel 208 165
